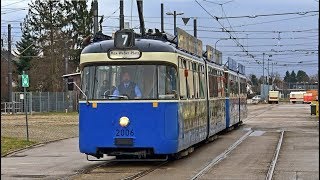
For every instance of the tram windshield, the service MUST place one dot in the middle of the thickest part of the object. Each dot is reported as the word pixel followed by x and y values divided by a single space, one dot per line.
pixel 120 82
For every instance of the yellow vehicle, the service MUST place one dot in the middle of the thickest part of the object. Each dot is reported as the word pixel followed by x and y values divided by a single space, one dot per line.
pixel 273 97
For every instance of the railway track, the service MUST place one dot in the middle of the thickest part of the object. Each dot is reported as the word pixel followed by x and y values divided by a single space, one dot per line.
pixel 275 158
pixel 265 109
pixel 136 170
pixel 221 156
pixel 145 172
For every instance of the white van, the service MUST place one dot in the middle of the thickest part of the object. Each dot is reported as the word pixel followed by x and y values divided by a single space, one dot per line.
pixel 297 96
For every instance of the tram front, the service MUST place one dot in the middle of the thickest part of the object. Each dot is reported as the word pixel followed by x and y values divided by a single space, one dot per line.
pixel 129 104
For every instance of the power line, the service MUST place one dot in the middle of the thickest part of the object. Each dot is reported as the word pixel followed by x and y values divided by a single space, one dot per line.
pixel 231 36
pixel 280 20
pixel 12 3
pixel 306 37
pixel 265 15
pixel 21 9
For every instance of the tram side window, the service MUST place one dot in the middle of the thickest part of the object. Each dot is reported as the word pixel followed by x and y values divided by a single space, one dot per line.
pixel 243 90
pixel 190 83
pixel 237 86
pixel 183 82
pixel 213 83
pixel 202 81
pixel 232 84
pixel 196 79
pixel 167 82
pixel 226 85
pixel 220 85
pixel 87 83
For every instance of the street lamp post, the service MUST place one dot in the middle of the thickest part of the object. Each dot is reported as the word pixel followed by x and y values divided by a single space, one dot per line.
pixel 262 94
pixel 175 14
pixel 215 45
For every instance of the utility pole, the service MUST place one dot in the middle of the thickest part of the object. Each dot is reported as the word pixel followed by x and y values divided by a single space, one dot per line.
pixel 121 16
pixel 174 20
pixel 95 17
pixel 272 75
pixel 9 65
pixel 195 27
pixel 54 67
pixel 263 76
pixel 268 82
pixel 141 19
pixel 66 62
pixel 162 19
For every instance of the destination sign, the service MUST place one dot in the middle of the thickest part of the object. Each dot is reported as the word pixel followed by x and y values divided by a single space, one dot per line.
pixel 189 43
pixel 124 54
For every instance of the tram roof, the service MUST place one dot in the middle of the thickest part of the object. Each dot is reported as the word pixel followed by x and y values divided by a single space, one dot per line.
pixel 144 45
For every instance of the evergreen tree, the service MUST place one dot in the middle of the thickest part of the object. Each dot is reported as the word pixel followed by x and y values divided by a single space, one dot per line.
pixel 287 77
pixel 58 28
pixel 302 76
pixel 80 26
pixel 293 77
pixel 27 50
pixel 254 79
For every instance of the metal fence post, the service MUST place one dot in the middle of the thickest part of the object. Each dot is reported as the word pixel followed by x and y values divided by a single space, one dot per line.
pixel 64 105
pixel 30 97
pixel 48 102
pixel 56 101
pixel 40 102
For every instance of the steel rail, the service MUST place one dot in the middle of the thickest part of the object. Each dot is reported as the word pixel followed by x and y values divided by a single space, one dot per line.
pixel 221 156
pixel 275 158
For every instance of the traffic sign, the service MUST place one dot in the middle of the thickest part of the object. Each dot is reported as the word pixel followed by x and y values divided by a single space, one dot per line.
pixel 25 80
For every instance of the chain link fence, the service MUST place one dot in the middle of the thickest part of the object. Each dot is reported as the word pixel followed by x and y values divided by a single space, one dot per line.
pixel 41 102
pixel 42 127
pixel 51 116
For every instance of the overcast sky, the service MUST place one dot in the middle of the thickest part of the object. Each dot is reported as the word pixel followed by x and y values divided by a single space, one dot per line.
pixel 289 41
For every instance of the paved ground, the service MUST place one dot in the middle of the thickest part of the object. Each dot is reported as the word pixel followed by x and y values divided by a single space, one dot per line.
pixel 298 158
pixel 50 161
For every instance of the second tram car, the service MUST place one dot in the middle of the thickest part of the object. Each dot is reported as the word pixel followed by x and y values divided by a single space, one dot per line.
pixel 175 99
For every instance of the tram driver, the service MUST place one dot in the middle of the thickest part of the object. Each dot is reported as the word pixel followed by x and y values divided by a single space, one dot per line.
pixel 128 88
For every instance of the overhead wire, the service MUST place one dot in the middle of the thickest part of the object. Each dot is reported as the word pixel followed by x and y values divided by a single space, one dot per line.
pixel 12 3
pixel 231 36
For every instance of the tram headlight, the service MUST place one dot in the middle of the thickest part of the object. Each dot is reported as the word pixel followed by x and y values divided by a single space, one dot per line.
pixel 124 121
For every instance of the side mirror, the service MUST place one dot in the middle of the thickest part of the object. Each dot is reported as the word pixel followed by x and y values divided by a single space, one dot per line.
pixel 70 84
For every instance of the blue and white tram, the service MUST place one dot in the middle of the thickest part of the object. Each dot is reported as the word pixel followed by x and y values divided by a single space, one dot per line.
pixel 184 99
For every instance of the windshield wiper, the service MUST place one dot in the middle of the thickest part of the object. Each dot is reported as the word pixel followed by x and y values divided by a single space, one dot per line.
pixel 118 96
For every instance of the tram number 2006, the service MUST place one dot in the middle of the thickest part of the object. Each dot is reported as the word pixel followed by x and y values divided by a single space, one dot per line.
pixel 124 132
